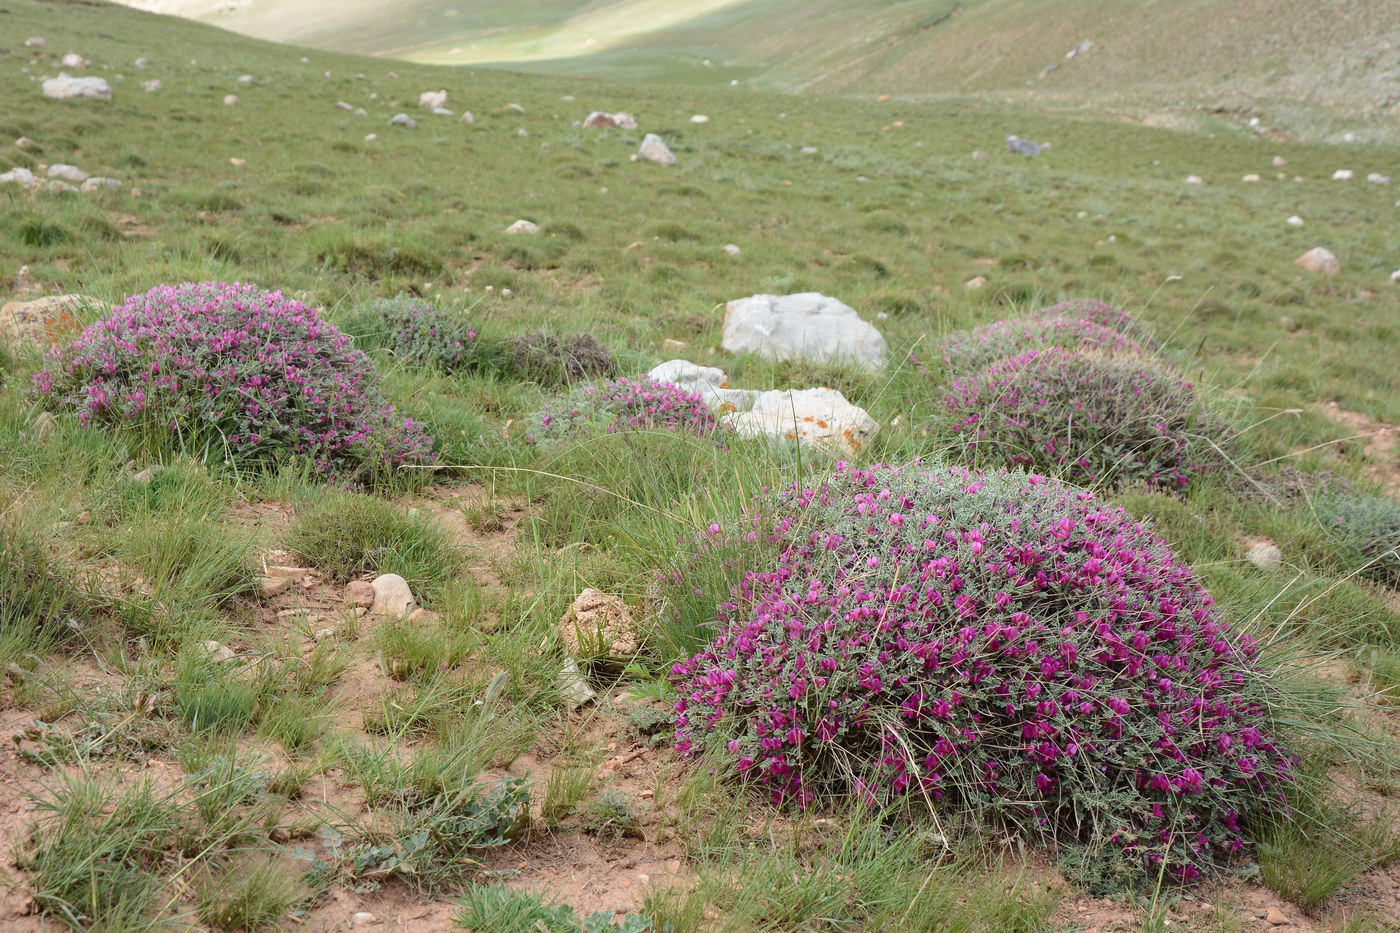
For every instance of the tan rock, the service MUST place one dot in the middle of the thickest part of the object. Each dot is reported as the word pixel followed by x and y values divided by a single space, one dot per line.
pixel 1276 917
pixel 598 623
pixel 392 597
pixel 1319 259
pixel 269 587
pixel 359 594
pixel 45 321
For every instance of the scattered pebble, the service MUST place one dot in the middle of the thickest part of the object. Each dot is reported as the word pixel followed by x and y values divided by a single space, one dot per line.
pixel 524 227
pixel 230 100
pixel 1319 259
pixel 1195 180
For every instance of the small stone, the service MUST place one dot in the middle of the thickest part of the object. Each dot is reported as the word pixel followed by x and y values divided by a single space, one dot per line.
pixel 295 573
pixel 1280 161
pixel 74 60
pixel 35 42
pixel 599 623
pixel 572 685
pixel 392 597
pixel 1395 276
pixel 96 183
pixel 732 250
pixel 1276 917
pixel 979 156
pixel 975 282
pixel 24 142
pixel 1265 555
pixel 1250 179
pixel 359 593
pixel 699 118
pixel 1018 146
pixel 674 866
pixel 423 617
pixel 1295 221
pixel 268 587
pixel 403 120
pixel 1195 180
pixel 515 108
pixel 237 162
pixel 151 85
pixel 523 227
pixel 363 918
pixel 343 105
pixel 432 100
pixel 1343 174
pixel 245 79
pixel 144 477
pixel 220 653
pixel 1319 259
pixel 654 149
pixel 1376 178
pixel 1288 324
pixel 670 343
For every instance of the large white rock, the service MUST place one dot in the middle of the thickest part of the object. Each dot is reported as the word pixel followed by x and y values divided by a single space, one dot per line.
pixel 19 176
pixel 68 173
pixel 1319 259
pixel 708 381
pixel 43 320
pixel 805 326
pixel 66 87
pixel 655 150
pixel 820 418
pixel 432 100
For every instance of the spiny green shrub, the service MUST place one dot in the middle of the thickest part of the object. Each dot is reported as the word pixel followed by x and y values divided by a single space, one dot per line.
pixel 1366 530
pixel 996 643
pixel 420 333
pixel 239 373
pixel 1092 419
pixel 551 361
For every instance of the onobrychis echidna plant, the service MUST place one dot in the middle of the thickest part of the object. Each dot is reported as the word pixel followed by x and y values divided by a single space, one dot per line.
pixel 1101 314
pixel 964 351
pixel 1092 419
pixel 637 403
pixel 241 373
pixel 998 643
pixel 555 361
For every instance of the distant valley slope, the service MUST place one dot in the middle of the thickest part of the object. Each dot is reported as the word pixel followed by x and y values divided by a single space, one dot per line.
pixel 1311 66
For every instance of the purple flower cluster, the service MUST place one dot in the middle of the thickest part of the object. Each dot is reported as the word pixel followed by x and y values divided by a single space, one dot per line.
pixel 623 404
pixel 995 642
pixel 1100 314
pixel 1090 418
pixel 964 351
pixel 251 374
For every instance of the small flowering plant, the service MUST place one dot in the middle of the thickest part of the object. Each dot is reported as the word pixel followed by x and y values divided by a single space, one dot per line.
pixel 251 374
pixel 1093 419
pixel 998 643
pixel 623 404
pixel 969 350
pixel 421 333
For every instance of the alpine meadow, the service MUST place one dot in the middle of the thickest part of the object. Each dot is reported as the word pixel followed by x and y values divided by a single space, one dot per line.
pixel 660 467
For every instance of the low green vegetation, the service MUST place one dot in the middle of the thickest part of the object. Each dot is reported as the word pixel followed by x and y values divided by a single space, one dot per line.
pixel 872 690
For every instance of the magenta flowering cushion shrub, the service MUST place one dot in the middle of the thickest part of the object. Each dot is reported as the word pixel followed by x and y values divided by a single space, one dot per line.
pixel 1101 314
pixel 623 404
pixel 964 351
pixel 997 643
pixel 243 373
pixel 1096 420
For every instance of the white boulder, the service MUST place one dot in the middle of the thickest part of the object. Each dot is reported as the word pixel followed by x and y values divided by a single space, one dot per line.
pixel 1295 221
pixel 19 176
pixel 708 381
pixel 68 173
pixel 820 418
pixel 432 100
pixel 1195 180
pixel 655 150
pixel 1343 174
pixel 74 60
pixel 66 87
pixel 806 326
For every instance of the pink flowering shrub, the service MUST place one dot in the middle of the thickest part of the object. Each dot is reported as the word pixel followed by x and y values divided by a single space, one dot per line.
pixel 1099 314
pixel 968 350
pixel 243 373
pixel 623 404
pixel 1089 418
pixel 997 643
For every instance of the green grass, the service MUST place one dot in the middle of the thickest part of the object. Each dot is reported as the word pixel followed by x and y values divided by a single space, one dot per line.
pixel 419 720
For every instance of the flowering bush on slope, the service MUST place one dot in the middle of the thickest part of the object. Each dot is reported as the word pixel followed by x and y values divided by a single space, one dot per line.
pixel 968 350
pixel 1092 419
pixel 998 642
pixel 236 369
pixel 623 404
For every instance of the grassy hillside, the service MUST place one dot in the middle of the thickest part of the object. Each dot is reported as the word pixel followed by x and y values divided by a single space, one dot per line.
pixel 1319 68
pixel 313 764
